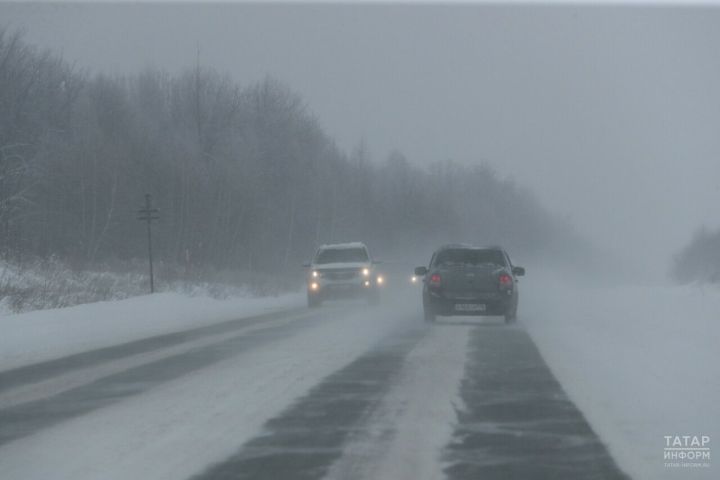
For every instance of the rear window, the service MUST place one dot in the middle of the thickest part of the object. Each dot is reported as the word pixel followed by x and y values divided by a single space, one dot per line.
pixel 465 256
pixel 341 255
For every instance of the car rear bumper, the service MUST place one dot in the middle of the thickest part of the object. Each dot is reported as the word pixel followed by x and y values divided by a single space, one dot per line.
pixel 487 304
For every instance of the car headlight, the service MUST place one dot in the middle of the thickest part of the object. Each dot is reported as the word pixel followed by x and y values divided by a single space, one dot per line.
pixel 380 280
pixel 366 272
pixel 314 286
pixel 315 274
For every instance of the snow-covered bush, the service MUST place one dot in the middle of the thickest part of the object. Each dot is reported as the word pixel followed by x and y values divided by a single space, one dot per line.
pixel 49 283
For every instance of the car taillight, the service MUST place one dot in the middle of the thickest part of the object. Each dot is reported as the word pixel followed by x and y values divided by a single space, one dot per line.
pixel 505 280
pixel 435 280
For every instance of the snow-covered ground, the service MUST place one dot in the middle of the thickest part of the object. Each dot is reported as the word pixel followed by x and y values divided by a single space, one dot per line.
pixel 46 334
pixel 641 362
pixel 155 435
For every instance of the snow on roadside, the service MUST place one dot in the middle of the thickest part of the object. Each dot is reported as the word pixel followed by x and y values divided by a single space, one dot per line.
pixel 46 334
pixel 179 428
pixel 641 362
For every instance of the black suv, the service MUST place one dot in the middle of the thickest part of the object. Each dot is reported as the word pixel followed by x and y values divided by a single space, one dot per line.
pixel 466 280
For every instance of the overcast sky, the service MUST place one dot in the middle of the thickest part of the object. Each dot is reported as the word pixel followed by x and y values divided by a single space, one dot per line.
pixel 610 115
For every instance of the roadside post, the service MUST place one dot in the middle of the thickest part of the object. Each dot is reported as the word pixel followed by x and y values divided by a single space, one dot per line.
pixel 149 214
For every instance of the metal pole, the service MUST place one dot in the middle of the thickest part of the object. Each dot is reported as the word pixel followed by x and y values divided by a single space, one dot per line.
pixel 150 256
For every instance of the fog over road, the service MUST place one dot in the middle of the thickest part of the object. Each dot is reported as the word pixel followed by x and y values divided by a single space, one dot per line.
pixel 345 391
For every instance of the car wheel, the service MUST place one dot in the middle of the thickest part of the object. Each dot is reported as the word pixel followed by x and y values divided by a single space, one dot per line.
pixel 511 315
pixel 314 301
pixel 374 298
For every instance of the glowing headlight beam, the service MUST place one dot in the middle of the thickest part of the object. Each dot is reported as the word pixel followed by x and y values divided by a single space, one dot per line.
pixel 366 272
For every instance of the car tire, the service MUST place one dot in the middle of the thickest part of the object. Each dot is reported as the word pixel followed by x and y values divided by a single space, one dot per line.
pixel 374 298
pixel 314 301
pixel 511 315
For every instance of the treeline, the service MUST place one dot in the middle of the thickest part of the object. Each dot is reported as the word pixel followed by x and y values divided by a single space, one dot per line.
pixel 244 176
pixel 700 259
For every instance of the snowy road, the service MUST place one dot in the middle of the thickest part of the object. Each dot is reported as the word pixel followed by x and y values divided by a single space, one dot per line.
pixel 344 392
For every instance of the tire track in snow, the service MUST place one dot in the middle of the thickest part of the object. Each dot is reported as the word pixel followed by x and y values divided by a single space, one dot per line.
pixel 403 439
pixel 24 419
pixel 518 423
pixel 181 427
pixel 304 441
pixel 78 377
pixel 40 371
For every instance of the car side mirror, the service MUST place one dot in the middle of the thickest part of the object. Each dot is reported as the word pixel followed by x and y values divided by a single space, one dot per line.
pixel 519 271
pixel 420 271
pixel 306 265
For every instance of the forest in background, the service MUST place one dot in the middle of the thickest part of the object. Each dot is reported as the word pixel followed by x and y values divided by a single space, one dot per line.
pixel 244 176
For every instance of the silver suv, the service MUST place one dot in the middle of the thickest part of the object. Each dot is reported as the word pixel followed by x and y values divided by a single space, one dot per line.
pixel 342 270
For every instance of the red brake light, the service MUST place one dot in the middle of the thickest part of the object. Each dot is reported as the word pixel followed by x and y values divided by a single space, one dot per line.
pixel 505 280
pixel 435 279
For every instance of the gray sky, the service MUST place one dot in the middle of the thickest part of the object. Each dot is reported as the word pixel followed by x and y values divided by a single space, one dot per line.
pixel 610 115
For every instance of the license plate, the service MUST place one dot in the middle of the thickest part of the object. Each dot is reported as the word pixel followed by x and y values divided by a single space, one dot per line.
pixel 470 307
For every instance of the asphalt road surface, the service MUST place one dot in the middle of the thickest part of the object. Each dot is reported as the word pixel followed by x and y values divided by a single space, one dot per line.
pixel 346 391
